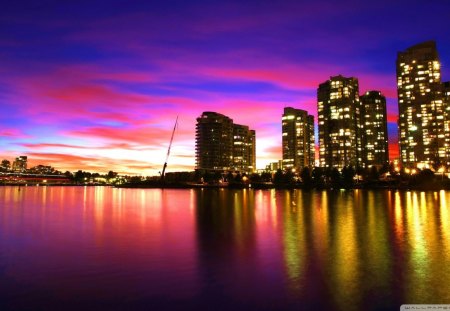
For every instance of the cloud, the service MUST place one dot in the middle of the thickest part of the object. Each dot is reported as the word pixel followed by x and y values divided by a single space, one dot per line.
pixel 13 133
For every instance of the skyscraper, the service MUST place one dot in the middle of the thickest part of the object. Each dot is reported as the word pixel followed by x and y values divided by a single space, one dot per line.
pixel 375 148
pixel 298 138
pixel 222 145
pixel 214 142
pixel 421 107
pixel 446 98
pixel 339 114
pixel 244 157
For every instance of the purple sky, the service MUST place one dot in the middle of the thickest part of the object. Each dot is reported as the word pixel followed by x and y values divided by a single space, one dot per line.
pixel 97 85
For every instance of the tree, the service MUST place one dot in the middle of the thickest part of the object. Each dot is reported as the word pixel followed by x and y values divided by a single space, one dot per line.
pixel 318 177
pixel 6 165
pixel 348 172
pixel 305 175
pixel 278 177
pixel 373 173
pixel 68 174
pixel 335 177
pixel 255 177
pixel 111 175
pixel 266 176
pixel 79 176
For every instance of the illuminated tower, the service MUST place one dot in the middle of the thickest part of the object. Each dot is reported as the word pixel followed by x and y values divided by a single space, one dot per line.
pixel 244 159
pixel 298 138
pixel 214 142
pixel 375 148
pixel 339 114
pixel 421 108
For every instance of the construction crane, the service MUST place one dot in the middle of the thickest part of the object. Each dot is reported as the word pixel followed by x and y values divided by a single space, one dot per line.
pixel 168 150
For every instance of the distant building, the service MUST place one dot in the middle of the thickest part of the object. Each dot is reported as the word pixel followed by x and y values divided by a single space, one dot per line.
pixel 375 148
pixel 421 108
pixel 339 114
pixel 221 145
pixel 20 164
pixel 42 169
pixel 274 166
pixel 244 153
pixel 297 138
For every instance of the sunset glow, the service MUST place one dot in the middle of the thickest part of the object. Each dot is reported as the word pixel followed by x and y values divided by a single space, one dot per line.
pixel 97 85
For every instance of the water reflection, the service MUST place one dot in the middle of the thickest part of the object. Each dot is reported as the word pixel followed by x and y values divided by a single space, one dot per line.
pixel 181 249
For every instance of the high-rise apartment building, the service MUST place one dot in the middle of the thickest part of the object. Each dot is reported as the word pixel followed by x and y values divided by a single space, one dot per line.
pixel 446 94
pixel 375 148
pixel 421 107
pixel 20 164
pixel 297 138
pixel 339 114
pixel 244 157
pixel 222 145
pixel 214 141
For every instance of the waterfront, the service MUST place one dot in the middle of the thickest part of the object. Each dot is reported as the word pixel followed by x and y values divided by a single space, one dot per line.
pixel 151 249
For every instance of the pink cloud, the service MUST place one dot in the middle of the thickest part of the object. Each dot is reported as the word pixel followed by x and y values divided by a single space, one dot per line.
pixel 148 136
pixel 67 146
pixel 13 133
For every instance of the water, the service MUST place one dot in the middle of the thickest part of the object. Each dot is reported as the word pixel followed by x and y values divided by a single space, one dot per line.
pixel 94 248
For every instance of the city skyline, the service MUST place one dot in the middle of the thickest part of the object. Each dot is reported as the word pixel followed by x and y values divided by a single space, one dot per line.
pixel 99 87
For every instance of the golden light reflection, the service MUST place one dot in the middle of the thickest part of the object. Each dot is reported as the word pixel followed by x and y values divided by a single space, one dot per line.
pixel 99 207
pixel 445 221
pixel 238 219
pixel 346 263
pixel 398 219
pixel 419 256
pixel 320 229
pixel 294 247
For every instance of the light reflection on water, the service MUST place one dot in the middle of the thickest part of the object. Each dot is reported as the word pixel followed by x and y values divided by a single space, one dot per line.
pixel 105 248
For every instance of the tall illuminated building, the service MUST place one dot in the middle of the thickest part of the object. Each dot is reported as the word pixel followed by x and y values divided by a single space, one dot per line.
pixel 375 148
pixel 446 94
pixel 214 142
pixel 421 108
pixel 221 145
pixel 244 157
pixel 339 114
pixel 297 139
pixel 20 164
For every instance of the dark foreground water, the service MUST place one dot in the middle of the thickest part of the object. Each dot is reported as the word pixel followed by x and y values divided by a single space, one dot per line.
pixel 94 248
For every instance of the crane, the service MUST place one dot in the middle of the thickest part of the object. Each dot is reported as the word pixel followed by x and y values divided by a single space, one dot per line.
pixel 168 150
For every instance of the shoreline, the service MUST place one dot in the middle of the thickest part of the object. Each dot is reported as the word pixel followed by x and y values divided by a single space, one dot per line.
pixel 235 186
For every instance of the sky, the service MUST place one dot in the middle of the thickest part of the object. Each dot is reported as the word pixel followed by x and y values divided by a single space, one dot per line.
pixel 97 85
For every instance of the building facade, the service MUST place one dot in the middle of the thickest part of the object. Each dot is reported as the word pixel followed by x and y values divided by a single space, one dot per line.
pixel 375 147
pixel 221 145
pixel 244 153
pixel 421 122
pixel 446 93
pixel 339 117
pixel 20 164
pixel 297 139
pixel 214 142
